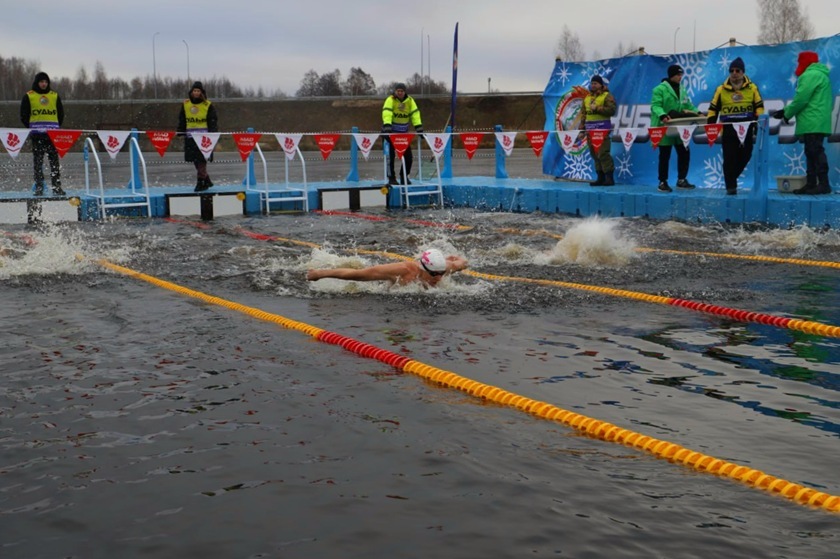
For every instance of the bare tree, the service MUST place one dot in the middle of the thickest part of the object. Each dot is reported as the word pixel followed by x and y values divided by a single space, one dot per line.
pixel 622 50
pixel 782 21
pixel 569 48
pixel 358 82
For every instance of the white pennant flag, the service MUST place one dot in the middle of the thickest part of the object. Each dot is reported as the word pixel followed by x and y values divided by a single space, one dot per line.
pixel 206 142
pixel 567 139
pixel 628 136
pixel 741 128
pixel 437 142
pixel 506 140
pixel 365 143
pixel 685 133
pixel 13 139
pixel 289 143
pixel 113 140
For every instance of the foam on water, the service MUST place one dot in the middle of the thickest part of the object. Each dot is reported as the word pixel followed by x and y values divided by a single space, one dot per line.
pixel 593 242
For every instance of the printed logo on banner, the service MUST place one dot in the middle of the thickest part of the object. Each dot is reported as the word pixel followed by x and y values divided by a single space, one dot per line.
pixel 569 141
pixel 437 143
pixel 326 143
pixel 597 138
pixel 471 141
pixel 537 141
pixel 13 139
pixel 568 116
pixel 206 142
pixel 506 140
pixel 160 139
pixel 741 128
pixel 628 136
pixel 63 140
pixel 289 143
pixel 401 143
pixel 656 135
pixel 685 133
pixel 246 143
pixel 365 143
pixel 113 140
pixel 712 132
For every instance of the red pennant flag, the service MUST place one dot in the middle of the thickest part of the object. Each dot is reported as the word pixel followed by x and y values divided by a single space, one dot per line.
pixel 713 131
pixel 326 143
pixel 246 143
pixel 471 141
pixel 537 140
pixel 63 140
pixel 401 143
pixel 160 139
pixel 656 135
pixel 596 138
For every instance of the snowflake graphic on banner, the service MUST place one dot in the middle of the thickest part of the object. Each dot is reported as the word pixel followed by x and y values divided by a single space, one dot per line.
pixel 694 65
pixel 713 167
pixel 624 165
pixel 578 166
pixel 796 162
pixel 592 68
pixel 724 61
pixel 563 74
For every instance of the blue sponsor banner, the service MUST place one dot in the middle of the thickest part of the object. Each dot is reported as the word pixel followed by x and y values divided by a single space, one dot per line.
pixel 631 80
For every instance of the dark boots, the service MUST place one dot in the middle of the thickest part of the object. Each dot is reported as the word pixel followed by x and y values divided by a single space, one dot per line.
pixel 604 179
pixel 608 179
pixel 203 184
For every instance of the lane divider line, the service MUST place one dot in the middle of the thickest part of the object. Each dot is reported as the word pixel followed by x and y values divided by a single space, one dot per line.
pixel 588 426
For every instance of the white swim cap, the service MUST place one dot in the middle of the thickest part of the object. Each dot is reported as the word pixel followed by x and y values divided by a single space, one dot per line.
pixel 433 260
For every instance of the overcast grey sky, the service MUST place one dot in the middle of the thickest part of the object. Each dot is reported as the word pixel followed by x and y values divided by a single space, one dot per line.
pixel 273 43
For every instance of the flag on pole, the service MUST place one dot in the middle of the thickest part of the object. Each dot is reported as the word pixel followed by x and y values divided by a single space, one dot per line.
pixel 454 76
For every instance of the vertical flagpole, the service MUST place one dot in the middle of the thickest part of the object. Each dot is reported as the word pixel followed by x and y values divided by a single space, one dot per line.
pixel 454 77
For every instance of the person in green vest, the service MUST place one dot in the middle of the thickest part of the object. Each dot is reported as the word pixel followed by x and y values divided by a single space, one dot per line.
pixel 671 100
pixel 597 108
pixel 41 110
pixel 197 115
pixel 812 106
pixel 398 111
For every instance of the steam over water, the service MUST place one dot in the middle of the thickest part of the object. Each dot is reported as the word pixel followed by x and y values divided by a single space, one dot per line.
pixel 136 421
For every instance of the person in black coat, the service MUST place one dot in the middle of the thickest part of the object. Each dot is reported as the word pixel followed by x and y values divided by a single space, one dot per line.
pixel 197 115
pixel 41 110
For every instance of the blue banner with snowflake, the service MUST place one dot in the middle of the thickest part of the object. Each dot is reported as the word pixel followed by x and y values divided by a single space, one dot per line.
pixel 632 79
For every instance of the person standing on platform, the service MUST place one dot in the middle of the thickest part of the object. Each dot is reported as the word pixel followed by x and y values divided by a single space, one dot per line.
pixel 197 115
pixel 737 100
pixel 671 100
pixel 812 106
pixel 41 110
pixel 598 107
pixel 398 111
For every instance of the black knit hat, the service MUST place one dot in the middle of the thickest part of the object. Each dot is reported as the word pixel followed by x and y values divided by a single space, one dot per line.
pixel 675 69
pixel 597 78
pixel 400 85
pixel 198 85
pixel 737 63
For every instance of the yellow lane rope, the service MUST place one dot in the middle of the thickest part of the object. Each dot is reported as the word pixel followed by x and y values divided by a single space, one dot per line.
pixel 589 426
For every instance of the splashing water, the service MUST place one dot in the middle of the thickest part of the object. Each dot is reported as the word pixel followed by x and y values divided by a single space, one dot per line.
pixel 593 242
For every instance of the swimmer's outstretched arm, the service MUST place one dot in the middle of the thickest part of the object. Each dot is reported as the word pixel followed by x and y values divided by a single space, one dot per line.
pixel 456 263
pixel 384 272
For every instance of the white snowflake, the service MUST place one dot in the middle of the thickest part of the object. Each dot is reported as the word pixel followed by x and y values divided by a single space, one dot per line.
pixel 563 74
pixel 578 166
pixel 796 162
pixel 624 165
pixel 714 172
pixel 724 60
pixel 694 65
pixel 598 67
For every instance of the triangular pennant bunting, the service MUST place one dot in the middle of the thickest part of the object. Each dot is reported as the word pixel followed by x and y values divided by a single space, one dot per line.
pixel 365 143
pixel 596 138
pixel 741 128
pixel 568 139
pixel 246 143
pixel 471 141
pixel 685 133
pixel 113 140
pixel 437 143
pixel 656 135
pixel 13 139
pixel 537 141
pixel 628 137
pixel 206 142
pixel 505 140
pixel 712 132
pixel 289 143
pixel 401 143
pixel 63 140
pixel 326 143
pixel 160 139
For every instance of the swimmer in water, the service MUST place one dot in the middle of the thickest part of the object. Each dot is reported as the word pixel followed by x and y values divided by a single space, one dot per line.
pixel 429 269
